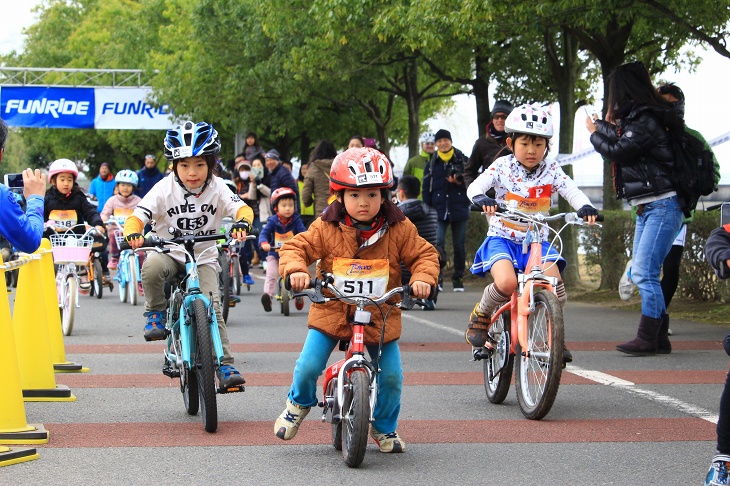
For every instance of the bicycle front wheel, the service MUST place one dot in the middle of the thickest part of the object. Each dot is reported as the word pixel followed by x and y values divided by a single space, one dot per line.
pixel 204 366
pixel 538 373
pixel 70 296
pixel 356 417
pixel 98 283
pixel 236 277
pixel 498 367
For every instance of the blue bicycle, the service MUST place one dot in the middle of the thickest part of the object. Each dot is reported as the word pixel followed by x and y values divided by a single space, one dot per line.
pixel 128 269
pixel 194 349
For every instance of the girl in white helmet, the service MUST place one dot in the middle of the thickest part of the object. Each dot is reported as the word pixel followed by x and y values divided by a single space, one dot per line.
pixel 121 205
pixel 66 205
pixel 527 177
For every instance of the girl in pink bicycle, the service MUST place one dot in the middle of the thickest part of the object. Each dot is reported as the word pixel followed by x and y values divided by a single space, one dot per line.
pixel 528 178
pixel 361 238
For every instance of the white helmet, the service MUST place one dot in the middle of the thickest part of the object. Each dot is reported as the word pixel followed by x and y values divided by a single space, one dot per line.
pixel 63 165
pixel 530 119
pixel 127 176
pixel 427 137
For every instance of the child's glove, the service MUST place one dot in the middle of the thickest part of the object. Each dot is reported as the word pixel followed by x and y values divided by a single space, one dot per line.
pixel 241 226
pixel 586 211
pixel 484 200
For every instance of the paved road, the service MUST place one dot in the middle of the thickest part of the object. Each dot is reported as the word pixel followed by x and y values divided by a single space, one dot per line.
pixel 616 420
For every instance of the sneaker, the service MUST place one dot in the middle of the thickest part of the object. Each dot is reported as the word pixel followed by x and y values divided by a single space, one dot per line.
pixel 477 332
pixel 229 377
pixel 233 301
pixel 299 303
pixel 263 265
pixel 155 328
pixel 287 425
pixel 458 285
pixel 625 286
pixel 106 279
pixel 390 442
pixel 113 263
pixel 429 305
pixel 84 284
pixel 248 280
pixel 266 301
pixel 718 473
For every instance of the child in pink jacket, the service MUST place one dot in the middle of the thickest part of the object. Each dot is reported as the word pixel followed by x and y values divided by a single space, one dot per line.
pixel 120 205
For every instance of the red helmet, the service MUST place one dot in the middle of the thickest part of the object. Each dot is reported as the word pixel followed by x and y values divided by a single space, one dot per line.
pixel 360 168
pixel 279 193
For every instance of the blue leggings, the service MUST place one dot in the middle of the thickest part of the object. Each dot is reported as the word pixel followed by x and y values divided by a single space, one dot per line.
pixel 313 360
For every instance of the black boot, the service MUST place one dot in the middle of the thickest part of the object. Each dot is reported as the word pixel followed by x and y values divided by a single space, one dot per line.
pixel 663 344
pixel 645 342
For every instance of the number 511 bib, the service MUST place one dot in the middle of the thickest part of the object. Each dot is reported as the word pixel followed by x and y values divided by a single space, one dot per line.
pixel 361 277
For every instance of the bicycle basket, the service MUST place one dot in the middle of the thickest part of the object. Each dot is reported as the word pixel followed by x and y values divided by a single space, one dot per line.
pixel 119 236
pixel 71 248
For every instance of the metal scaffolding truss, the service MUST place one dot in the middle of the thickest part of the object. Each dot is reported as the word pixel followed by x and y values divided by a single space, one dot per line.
pixel 96 78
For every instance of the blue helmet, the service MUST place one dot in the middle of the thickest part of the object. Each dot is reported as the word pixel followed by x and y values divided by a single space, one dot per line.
pixel 127 176
pixel 191 139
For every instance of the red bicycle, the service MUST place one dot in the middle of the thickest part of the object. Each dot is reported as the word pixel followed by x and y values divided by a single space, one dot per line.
pixel 350 387
pixel 535 318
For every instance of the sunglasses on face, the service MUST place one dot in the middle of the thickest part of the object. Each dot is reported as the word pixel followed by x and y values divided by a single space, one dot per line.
pixel 499 117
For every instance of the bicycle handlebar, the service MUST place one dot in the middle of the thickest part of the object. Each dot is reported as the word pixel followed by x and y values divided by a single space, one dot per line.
pixel 154 241
pixel 514 213
pixel 328 282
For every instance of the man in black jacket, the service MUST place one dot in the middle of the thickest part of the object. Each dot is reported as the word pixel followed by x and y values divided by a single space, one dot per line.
pixel 492 145
pixel 421 215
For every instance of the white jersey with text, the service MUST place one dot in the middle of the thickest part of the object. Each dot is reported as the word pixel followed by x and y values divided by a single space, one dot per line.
pixel 166 206
pixel 531 189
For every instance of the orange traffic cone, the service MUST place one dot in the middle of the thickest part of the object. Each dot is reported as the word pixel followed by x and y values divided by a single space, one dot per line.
pixel 31 337
pixel 13 426
pixel 55 333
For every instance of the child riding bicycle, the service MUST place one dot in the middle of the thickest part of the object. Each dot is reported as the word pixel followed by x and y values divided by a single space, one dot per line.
pixel 120 205
pixel 527 178
pixel 194 201
pixel 363 236
pixel 66 205
pixel 280 228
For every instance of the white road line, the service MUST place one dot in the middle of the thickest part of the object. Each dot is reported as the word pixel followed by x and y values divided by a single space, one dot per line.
pixel 603 379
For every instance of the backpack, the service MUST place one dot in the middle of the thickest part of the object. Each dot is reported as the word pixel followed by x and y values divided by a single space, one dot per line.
pixel 695 173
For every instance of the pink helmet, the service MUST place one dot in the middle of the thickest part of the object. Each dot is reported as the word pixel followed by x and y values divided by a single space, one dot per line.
pixel 360 168
pixel 63 165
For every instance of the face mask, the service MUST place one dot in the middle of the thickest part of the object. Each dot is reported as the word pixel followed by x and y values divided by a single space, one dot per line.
pixel 244 174
pixel 257 171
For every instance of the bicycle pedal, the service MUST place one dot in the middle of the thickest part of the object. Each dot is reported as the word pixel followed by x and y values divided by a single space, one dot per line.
pixel 480 354
pixel 171 372
pixel 231 389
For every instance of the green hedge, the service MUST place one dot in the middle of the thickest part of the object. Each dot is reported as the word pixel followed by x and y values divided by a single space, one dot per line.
pixel 697 279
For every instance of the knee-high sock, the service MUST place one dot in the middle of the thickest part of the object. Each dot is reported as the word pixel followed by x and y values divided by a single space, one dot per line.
pixel 562 296
pixel 492 299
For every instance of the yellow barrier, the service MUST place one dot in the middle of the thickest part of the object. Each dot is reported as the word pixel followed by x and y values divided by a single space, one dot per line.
pixel 10 456
pixel 13 426
pixel 55 333
pixel 32 341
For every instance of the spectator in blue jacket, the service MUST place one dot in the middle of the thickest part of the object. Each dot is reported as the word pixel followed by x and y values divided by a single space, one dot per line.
pixel 444 190
pixel 102 186
pixel 279 175
pixel 149 175
pixel 22 229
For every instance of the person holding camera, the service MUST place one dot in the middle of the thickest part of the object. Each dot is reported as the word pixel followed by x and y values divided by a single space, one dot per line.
pixel 445 191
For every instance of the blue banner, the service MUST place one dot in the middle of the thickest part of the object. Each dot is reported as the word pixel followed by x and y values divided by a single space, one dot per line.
pixel 39 107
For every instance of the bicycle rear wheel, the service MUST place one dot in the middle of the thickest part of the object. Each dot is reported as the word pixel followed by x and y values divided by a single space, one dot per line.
pixel 236 277
pixel 538 373
pixel 224 284
pixel 356 418
pixel 336 424
pixel 204 366
pixel 98 283
pixel 498 367
pixel 284 298
pixel 70 296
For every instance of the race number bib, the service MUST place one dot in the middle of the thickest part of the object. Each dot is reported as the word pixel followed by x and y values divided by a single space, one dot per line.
pixel 121 214
pixel 367 278
pixel 63 217
pixel 281 238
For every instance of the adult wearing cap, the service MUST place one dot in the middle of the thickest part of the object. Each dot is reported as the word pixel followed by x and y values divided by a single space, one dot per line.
pixel 492 145
pixel 149 175
pixel 279 175
pixel 444 190
pixel 417 163
pixel 102 186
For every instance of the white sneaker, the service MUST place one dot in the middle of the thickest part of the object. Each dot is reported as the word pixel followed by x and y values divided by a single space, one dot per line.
pixel 287 425
pixel 625 286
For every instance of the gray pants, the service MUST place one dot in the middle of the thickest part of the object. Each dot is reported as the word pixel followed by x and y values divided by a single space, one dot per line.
pixel 159 268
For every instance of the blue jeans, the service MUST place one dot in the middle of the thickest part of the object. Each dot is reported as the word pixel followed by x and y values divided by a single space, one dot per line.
pixel 458 237
pixel 656 230
pixel 313 360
